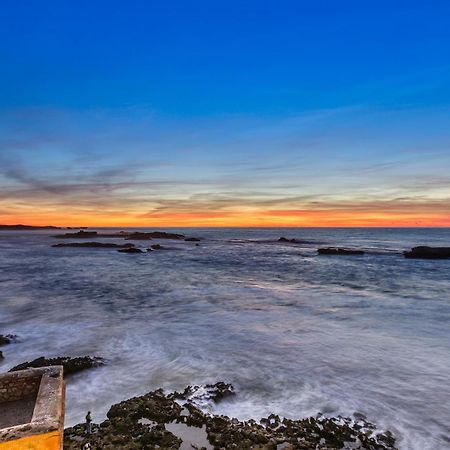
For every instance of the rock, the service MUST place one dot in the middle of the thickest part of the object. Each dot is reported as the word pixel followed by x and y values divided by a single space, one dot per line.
pixel 1 356
pixel 144 423
pixel 192 239
pixel 339 251
pixel 6 339
pixel 153 235
pixel 138 236
pixel 424 252
pixel 200 395
pixel 130 250
pixel 94 245
pixel 292 241
pixel 71 365
pixel 156 247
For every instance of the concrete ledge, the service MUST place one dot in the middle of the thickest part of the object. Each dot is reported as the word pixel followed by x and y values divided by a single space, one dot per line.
pixel 45 429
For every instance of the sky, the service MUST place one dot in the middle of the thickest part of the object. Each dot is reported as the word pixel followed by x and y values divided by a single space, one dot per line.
pixel 225 113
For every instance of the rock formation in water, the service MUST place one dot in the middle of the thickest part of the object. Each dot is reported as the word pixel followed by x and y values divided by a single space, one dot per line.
pixel 424 252
pixel 130 250
pixel 339 251
pixel 94 245
pixel 153 235
pixel 6 339
pixel 159 421
pixel 71 365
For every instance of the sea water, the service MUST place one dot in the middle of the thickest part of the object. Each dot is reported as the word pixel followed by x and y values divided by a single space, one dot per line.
pixel 296 333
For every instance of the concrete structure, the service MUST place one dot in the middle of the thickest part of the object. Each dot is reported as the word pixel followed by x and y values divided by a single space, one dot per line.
pixel 32 409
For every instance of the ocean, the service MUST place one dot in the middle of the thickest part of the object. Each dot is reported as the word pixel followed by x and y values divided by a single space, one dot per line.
pixel 296 333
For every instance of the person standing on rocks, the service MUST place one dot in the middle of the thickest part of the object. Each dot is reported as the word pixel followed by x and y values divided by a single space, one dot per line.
pixel 88 423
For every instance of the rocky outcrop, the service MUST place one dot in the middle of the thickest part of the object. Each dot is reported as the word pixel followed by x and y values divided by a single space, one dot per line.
pixel 71 365
pixel 157 420
pixel 153 235
pixel 291 241
pixel 192 239
pixel 6 339
pixel 339 251
pixel 94 245
pixel 424 252
pixel 130 250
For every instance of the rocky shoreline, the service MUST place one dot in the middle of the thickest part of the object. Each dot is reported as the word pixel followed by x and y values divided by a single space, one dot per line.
pixel 160 420
pixel 182 420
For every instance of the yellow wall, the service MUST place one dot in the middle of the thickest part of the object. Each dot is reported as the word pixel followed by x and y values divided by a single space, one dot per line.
pixel 48 441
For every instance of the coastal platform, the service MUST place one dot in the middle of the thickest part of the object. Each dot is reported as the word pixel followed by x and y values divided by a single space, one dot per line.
pixel 32 409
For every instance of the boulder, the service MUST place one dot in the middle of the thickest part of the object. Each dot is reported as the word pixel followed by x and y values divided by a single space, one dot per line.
pixel 71 365
pixel 94 245
pixel 339 251
pixel 424 252
pixel 130 250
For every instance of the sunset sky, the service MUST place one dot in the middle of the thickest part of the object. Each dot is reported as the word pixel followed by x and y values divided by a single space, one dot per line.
pixel 225 113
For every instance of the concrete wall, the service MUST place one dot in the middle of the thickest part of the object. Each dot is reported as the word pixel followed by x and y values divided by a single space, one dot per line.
pixel 18 386
pixel 46 428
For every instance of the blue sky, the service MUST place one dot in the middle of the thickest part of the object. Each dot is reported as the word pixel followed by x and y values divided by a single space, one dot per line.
pixel 144 108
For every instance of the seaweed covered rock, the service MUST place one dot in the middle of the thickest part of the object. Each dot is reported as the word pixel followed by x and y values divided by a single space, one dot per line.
pixel 339 251
pixel 172 421
pixel 71 365
pixel 424 252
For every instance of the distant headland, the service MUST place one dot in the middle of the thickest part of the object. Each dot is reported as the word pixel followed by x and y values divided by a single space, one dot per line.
pixel 28 227
pixel 34 227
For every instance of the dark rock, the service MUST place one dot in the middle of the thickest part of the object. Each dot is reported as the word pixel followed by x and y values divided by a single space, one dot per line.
pixel 192 239
pixel 339 251
pixel 153 235
pixel 71 365
pixel 94 245
pixel 7 339
pixel 138 236
pixel 1 356
pixel 156 247
pixel 140 423
pixel 425 252
pixel 292 241
pixel 130 250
